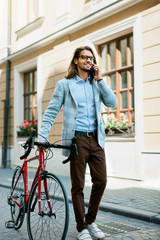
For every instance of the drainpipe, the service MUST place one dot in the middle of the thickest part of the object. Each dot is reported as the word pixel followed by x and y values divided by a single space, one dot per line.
pixel 6 117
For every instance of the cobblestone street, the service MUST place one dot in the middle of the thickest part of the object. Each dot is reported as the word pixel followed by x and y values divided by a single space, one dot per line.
pixel 114 226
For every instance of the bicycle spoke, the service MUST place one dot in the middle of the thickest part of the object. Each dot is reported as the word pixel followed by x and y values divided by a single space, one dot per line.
pixel 52 222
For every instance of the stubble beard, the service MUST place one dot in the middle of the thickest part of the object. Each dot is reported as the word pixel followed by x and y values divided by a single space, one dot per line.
pixel 85 69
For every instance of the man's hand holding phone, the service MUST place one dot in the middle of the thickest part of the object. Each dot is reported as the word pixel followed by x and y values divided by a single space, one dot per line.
pixel 96 72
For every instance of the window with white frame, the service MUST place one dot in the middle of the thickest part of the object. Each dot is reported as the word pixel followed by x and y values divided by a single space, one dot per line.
pixel 116 58
pixel 28 11
pixel 32 10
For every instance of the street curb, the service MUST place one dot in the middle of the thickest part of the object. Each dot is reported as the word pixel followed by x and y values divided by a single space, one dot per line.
pixel 147 216
pixel 131 212
pixel 4 186
pixel 122 210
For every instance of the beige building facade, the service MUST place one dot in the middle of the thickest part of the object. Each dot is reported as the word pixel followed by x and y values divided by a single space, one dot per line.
pixel 37 38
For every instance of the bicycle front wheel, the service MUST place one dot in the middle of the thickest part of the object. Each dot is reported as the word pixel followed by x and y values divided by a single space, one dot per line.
pixel 52 222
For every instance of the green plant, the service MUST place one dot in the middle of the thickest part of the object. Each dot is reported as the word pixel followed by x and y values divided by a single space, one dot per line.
pixel 112 121
pixel 26 127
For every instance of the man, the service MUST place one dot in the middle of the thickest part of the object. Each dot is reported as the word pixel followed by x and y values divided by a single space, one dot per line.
pixel 81 94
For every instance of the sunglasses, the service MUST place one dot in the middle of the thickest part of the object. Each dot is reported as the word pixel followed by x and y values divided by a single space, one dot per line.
pixel 85 57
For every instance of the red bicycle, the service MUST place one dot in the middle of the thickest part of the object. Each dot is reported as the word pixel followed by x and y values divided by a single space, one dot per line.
pixel 46 204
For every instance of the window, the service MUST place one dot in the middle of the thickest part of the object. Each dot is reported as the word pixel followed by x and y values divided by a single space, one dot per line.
pixel 28 11
pixel 32 10
pixel 116 58
pixel 30 95
pixel 28 20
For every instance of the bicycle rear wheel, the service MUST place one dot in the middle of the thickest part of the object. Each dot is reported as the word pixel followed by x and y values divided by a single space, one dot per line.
pixel 48 225
pixel 17 213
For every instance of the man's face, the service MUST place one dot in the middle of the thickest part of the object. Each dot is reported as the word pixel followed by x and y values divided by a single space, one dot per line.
pixel 84 61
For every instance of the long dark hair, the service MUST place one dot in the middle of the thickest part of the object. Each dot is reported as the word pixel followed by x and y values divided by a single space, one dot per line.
pixel 72 70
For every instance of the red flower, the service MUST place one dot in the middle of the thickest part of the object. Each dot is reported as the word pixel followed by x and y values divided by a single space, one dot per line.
pixel 27 126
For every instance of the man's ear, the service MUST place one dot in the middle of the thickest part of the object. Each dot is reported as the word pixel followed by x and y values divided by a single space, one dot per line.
pixel 75 60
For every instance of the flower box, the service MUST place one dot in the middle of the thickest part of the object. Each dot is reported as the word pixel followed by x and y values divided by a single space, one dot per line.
pixel 119 131
pixel 26 127
pixel 22 134
pixel 119 128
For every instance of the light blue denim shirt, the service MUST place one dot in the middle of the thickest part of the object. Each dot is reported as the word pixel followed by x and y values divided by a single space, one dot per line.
pixel 86 118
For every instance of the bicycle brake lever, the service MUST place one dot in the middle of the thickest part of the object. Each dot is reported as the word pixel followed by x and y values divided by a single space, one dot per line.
pixel 32 144
pixel 32 137
pixel 73 150
pixel 74 145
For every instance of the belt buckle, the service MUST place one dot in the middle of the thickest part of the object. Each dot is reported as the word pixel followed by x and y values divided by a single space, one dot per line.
pixel 89 135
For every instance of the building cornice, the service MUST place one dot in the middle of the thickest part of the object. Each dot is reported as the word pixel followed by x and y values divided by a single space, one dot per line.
pixel 94 17
pixel 30 27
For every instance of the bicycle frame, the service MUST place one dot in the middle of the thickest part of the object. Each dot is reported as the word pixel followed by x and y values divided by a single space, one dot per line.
pixel 38 176
pixel 45 196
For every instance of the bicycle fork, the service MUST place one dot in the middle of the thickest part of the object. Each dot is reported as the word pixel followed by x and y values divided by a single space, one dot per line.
pixel 46 196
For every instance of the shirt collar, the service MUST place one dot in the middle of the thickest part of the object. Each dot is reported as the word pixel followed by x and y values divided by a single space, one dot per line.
pixel 80 80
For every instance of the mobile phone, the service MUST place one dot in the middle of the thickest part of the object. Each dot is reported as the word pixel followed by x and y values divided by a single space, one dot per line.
pixel 93 71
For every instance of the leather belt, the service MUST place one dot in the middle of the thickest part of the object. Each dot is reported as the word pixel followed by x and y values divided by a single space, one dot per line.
pixel 88 134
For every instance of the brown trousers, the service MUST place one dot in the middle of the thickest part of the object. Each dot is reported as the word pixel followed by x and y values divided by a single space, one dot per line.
pixel 88 152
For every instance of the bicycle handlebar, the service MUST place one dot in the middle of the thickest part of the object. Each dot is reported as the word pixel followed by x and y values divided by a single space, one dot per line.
pixel 29 144
pixel 50 145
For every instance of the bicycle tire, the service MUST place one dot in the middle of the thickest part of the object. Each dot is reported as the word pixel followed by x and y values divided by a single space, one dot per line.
pixel 48 227
pixel 18 213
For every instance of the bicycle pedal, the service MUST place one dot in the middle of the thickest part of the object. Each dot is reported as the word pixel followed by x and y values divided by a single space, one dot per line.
pixel 10 224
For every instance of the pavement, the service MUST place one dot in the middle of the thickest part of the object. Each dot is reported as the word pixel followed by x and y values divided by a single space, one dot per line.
pixel 124 197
